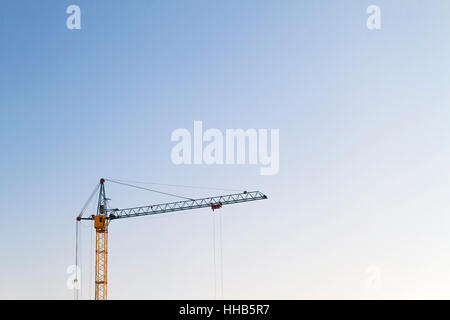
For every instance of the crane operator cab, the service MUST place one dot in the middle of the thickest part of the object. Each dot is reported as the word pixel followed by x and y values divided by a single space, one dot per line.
pixel 100 220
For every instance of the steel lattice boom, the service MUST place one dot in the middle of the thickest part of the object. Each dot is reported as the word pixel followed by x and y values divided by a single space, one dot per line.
pixel 211 202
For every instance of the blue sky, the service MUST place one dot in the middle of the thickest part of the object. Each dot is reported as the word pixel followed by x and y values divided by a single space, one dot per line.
pixel 363 118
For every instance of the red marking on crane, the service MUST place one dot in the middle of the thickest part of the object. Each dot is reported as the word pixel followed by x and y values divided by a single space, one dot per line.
pixel 216 206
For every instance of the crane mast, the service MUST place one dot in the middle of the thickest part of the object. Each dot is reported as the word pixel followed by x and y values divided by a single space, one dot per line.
pixel 101 245
pixel 105 215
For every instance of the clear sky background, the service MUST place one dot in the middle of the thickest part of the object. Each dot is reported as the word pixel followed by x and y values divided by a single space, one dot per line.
pixel 363 115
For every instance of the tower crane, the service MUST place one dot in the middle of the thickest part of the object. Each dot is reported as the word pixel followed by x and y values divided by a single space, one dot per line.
pixel 104 215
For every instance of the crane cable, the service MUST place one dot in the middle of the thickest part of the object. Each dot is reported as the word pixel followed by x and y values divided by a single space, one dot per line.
pixel 218 276
pixel 77 239
pixel 214 255
pixel 80 268
pixel 178 185
pixel 75 291
pixel 80 272
pixel 152 190
pixel 221 254
pixel 90 268
pixel 89 200
pixel 78 292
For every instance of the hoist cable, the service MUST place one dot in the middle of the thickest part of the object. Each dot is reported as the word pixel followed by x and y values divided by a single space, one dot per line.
pixel 90 268
pixel 221 254
pixel 214 259
pixel 79 287
pixel 75 293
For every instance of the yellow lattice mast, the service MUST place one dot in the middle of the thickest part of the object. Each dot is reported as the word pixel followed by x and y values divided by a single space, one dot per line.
pixel 101 246
pixel 101 257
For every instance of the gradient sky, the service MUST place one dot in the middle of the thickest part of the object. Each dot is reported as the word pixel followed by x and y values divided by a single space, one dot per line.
pixel 363 115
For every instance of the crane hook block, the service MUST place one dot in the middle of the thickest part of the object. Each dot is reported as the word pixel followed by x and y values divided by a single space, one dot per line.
pixel 216 206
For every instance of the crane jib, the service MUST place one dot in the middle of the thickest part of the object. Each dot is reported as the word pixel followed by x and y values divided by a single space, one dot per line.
pixel 212 202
